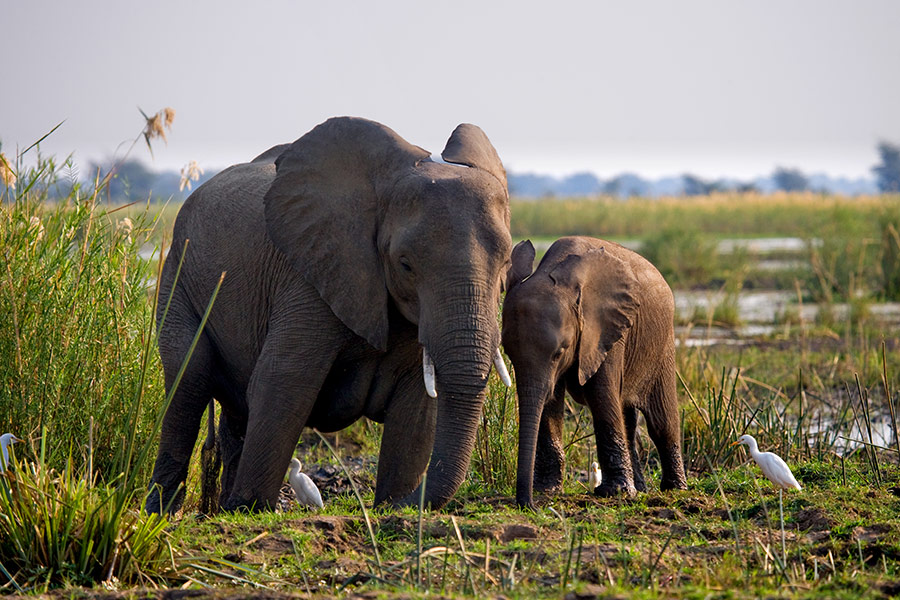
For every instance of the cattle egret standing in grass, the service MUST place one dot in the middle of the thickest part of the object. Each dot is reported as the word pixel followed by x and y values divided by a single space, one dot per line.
pixel 304 489
pixel 594 477
pixel 6 440
pixel 771 464
pixel 778 473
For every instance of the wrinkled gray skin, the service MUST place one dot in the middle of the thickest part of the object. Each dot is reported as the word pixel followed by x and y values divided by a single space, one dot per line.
pixel 595 319
pixel 346 252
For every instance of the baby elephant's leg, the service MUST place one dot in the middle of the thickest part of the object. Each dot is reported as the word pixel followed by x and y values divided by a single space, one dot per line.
pixel 549 460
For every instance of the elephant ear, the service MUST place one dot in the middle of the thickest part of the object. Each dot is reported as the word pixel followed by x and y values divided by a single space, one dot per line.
pixel 468 145
pixel 522 259
pixel 606 300
pixel 322 213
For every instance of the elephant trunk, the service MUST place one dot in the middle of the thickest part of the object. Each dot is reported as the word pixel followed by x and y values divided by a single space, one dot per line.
pixel 462 346
pixel 531 403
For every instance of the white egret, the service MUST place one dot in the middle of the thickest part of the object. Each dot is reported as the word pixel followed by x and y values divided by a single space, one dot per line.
pixel 771 464
pixel 6 440
pixel 778 473
pixel 304 489
pixel 594 477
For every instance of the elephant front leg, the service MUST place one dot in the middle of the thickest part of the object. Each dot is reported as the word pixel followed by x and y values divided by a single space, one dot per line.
pixel 613 452
pixel 284 387
pixel 550 459
pixel 406 442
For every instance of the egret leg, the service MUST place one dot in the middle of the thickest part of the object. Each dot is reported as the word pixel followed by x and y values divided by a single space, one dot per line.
pixel 781 518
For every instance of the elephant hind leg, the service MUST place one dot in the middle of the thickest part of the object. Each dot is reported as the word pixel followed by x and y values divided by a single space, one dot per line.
pixel 210 465
pixel 631 417
pixel 664 426
pixel 232 429
pixel 181 423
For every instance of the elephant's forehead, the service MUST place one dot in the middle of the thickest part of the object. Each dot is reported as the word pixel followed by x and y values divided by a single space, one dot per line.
pixel 429 170
pixel 451 187
pixel 540 304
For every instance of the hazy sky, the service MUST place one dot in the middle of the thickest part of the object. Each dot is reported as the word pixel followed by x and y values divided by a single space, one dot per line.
pixel 710 87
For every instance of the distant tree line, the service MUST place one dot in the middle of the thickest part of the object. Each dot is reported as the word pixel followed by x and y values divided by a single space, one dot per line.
pixel 133 180
pixel 887 179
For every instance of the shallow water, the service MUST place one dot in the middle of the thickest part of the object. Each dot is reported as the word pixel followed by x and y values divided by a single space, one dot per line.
pixel 760 312
pixel 754 245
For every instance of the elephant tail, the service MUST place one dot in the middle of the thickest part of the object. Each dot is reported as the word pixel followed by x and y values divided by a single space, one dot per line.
pixel 210 465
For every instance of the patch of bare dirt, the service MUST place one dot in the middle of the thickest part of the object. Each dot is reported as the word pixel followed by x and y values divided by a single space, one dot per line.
pixel 400 525
pixel 814 519
pixel 666 514
pixel 872 533
pixel 262 550
pixel 517 531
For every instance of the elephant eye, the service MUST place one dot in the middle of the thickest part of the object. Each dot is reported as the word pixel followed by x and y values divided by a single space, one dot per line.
pixel 405 264
pixel 558 354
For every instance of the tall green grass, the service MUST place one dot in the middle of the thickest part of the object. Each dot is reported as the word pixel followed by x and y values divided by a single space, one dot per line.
pixel 60 527
pixel 495 458
pixel 81 383
pixel 78 298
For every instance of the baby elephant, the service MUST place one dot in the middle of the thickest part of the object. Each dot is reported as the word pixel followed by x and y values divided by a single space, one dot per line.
pixel 595 319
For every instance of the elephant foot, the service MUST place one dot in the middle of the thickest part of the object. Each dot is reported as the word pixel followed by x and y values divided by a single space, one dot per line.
pixel 676 484
pixel 551 483
pixel 158 501
pixel 548 470
pixel 525 505
pixel 237 504
pixel 609 490
pixel 639 483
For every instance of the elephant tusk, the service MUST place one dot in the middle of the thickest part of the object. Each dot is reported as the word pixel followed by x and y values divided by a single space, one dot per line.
pixel 501 368
pixel 428 373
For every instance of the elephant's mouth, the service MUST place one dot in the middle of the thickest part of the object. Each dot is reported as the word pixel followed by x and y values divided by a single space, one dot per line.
pixel 429 376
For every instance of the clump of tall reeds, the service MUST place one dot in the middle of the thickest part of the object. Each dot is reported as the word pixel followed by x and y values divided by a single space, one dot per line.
pixel 78 296
pixel 81 381
pixel 61 527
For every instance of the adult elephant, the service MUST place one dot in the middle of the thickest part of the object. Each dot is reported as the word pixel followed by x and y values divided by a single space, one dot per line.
pixel 595 319
pixel 353 260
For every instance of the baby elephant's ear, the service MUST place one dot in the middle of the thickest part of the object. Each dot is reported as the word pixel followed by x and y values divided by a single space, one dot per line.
pixel 522 259
pixel 608 305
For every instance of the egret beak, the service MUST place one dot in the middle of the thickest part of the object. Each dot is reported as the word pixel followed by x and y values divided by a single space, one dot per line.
pixel 735 443
pixel 15 439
